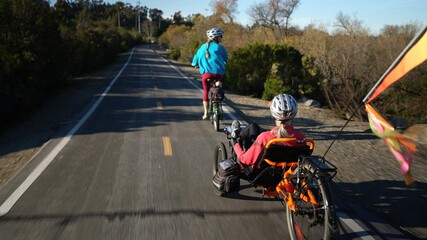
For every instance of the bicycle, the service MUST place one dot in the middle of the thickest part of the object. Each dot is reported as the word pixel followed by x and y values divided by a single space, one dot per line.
pixel 292 175
pixel 216 96
pixel 215 100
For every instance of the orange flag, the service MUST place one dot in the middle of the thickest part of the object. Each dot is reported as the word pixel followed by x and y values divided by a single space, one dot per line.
pixel 401 147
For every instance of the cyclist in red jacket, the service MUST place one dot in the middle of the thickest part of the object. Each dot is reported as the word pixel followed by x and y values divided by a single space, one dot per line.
pixel 283 109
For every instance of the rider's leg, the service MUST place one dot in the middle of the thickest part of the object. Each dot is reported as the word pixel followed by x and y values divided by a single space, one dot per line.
pixel 249 134
pixel 205 85
pixel 205 108
pixel 235 129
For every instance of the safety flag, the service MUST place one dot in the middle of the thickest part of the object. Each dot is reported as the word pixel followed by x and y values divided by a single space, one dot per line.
pixel 401 146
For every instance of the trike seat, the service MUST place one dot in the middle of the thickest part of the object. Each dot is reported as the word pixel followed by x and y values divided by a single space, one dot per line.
pixel 273 160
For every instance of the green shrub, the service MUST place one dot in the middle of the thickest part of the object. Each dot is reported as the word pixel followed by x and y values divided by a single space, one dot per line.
pixel 272 87
pixel 174 54
pixel 250 67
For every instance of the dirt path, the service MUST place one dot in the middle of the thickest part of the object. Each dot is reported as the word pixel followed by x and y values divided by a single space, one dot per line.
pixel 368 173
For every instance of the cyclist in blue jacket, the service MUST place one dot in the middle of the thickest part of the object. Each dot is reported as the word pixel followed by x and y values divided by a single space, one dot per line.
pixel 211 58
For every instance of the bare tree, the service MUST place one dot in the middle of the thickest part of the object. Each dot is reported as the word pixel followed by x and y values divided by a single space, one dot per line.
pixel 226 9
pixel 350 26
pixel 274 15
pixel 345 60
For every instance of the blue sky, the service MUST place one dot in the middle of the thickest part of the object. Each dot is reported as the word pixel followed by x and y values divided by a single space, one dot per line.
pixel 373 13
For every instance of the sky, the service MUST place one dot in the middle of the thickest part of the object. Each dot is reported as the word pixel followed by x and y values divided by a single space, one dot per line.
pixel 374 14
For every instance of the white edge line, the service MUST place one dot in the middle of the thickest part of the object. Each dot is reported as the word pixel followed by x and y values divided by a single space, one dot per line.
pixel 14 197
pixel 356 228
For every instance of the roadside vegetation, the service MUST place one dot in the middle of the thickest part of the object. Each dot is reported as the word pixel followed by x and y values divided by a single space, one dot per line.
pixel 336 66
pixel 43 45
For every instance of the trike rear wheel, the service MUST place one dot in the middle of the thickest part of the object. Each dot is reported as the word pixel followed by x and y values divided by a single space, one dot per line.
pixel 310 221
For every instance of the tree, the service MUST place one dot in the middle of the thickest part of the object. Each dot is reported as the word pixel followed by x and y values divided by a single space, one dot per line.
pixel 349 26
pixel 177 18
pixel 156 18
pixel 274 15
pixel 30 50
pixel 405 98
pixel 175 37
pixel 225 9
pixel 351 60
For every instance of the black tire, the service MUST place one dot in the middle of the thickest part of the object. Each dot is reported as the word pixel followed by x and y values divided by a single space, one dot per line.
pixel 220 154
pixel 319 223
pixel 215 120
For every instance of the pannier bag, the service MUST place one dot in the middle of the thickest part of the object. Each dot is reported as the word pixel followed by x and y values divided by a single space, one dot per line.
pixel 216 94
pixel 226 179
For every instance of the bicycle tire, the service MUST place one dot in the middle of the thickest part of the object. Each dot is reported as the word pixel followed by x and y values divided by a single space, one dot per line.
pixel 216 122
pixel 309 222
pixel 220 154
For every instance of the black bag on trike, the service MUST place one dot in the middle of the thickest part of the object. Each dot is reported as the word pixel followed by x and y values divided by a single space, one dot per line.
pixel 226 179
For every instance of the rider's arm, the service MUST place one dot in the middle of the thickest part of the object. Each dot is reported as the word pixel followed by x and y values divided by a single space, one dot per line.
pixel 200 53
pixel 195 61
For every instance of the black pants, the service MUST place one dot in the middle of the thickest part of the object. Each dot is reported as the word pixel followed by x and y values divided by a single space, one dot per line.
pixel 248 135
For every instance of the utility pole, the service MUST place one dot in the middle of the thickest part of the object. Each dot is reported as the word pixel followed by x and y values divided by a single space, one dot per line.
pixel 139 16
pixel 118 16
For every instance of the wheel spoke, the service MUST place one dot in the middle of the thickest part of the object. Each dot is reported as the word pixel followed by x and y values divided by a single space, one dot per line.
pixel 311 219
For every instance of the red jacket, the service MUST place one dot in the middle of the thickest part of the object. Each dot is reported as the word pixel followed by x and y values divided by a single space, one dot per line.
pixel 249 157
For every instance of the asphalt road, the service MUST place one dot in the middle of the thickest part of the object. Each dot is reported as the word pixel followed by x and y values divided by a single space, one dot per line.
pixel 136 164
pixel 114 178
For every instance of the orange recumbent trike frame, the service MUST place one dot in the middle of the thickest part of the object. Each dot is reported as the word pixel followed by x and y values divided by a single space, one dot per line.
pixel 280 154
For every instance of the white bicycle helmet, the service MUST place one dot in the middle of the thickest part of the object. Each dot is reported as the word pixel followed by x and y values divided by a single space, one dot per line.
pixel 214 32
pixel 283 107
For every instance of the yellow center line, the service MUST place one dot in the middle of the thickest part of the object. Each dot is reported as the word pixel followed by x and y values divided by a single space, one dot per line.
pixel 167 147
pixel 159 106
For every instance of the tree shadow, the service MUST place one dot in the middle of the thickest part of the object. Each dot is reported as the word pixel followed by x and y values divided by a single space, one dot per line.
pixel 67 218
pixel 238 108
pixel 132 87
pixel 316 131
pixel 402 207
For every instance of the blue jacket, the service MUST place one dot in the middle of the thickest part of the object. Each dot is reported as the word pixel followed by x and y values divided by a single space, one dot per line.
pixel 218 57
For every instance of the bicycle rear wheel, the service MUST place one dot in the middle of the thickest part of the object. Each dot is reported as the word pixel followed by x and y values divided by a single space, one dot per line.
pixel 310 221
pixel 215 119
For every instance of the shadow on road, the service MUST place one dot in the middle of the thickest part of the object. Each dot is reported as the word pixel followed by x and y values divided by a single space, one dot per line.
pixel 401 206
pixel 63 111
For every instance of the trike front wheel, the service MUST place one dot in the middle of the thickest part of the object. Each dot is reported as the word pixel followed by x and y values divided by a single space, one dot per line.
pixel 220 154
